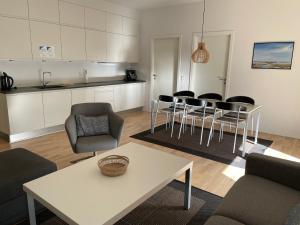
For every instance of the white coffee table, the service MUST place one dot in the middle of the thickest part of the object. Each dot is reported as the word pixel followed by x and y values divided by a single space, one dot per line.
pixel 80 194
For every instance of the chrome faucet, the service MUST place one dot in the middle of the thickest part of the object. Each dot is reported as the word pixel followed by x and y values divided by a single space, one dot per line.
pixel 44 83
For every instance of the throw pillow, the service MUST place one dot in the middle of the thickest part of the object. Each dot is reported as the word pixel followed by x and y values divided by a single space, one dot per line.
pixel 92 126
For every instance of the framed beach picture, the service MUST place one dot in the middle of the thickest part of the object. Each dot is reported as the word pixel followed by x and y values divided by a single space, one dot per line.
pixel 273 55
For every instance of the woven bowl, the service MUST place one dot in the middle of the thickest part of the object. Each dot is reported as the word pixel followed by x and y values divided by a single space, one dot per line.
pixel 113 165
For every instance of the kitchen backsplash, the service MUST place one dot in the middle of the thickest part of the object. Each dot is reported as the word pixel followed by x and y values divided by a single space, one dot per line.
pixel 28 73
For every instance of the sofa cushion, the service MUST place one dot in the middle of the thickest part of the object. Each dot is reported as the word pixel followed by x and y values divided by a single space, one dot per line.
pixel 257 201
pixel 96 143
pixel 18 166
pixel 222 220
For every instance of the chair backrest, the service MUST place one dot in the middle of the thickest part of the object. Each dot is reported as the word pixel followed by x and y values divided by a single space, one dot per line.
pixel 214 96
pixel 166 98
pixel 195 102
pixel 184 94
pixel 91 109
pixel 229 106
pixel 242 99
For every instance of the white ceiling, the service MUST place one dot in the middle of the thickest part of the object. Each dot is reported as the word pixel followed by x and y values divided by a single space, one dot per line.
pixel 148 4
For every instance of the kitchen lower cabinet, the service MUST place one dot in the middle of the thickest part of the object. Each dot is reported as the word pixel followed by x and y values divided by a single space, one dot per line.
pixel 57 107
pixel 130 96
pixel 25 112
pixel 105 95
pixel 82 95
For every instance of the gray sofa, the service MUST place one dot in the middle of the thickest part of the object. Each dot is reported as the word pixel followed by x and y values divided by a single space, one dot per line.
pixel 18 166
pixel 266 195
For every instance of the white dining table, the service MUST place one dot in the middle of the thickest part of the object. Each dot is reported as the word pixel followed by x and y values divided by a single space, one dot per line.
pixel 248 109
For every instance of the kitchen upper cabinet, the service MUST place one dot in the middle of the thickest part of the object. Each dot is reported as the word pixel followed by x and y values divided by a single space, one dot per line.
pixel 57 107
pixel 71 14
pixel 45 10
pixel 106 95
pixel 130 96
pixel 25 112
pixel 130 26
pixel 15 39
pixel 96 45
pixel 73 43
pixel 82 95
pixel 115 48
pixel 131 46
pixel 16 8
pixel 95 19
pixel 45 34
pixel 114 23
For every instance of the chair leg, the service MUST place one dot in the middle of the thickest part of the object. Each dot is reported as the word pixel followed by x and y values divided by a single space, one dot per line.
pixel 252 125
pixel 245 138
pixel 235 136
pixel 220 132
pixel 173 121
pixel 202 127
pixel 167 120
pixel 181 125
pixel 210 134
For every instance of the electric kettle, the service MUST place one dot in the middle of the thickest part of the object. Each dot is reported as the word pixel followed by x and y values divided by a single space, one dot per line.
pixel 7 82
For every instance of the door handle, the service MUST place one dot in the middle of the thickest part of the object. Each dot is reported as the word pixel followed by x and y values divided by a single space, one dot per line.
pixel 154 76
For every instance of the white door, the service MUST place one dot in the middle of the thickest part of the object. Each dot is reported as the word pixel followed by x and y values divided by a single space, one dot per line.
pixel 211 77
pixel 165 66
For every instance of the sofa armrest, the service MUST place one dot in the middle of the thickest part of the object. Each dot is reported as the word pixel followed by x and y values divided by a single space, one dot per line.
pixel 116 126
pixel 71 129
pixel 278 170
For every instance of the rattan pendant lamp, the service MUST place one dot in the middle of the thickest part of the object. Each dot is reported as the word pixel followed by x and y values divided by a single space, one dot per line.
pixel 201 54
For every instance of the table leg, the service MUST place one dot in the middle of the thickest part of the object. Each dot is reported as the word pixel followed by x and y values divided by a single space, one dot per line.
pixel 187 190
pixel 245 138
pixel 257 128
pixel 31 210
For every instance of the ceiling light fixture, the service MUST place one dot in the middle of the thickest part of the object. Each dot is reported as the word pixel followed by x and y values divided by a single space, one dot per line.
pixel 201 54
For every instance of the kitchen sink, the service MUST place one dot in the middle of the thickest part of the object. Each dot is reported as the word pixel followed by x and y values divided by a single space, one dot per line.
pixel 50 86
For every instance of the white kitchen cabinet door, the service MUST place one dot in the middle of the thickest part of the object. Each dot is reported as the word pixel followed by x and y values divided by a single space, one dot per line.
pixel 73 43
pixel 131 49
pixel 96 45
pixel 45 10
pixel 114 23
pixel 25 112
pixel 130 26
pixel 83 95
pixel 115 48
pixel 16 8
pixel 15 39
pixel 71 14
pixel 95 19
pixel 45 34
pixel 105 95
pixel 57 107
pixel 130 96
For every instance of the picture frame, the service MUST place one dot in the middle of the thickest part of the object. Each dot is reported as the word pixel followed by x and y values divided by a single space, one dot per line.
pixel 273 55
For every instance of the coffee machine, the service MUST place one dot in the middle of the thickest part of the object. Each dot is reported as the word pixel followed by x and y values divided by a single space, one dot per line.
pixel 6 81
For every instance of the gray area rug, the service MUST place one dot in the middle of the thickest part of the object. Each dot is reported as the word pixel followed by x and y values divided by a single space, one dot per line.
pixel 218 151
pixel 163 208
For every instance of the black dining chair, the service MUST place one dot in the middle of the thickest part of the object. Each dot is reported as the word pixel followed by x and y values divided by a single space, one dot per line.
pixel 189 94
pixel 191 105
pixel 227 107
pixel 245 100
pixel 170 112
pixel 213 97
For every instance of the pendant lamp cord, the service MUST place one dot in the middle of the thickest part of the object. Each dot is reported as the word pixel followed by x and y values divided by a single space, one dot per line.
pixel 203 20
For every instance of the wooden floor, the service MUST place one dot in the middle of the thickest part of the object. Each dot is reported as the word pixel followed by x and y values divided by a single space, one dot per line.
pixel 207 174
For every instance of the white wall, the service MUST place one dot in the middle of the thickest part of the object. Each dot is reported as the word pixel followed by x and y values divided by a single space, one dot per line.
pixel 252 21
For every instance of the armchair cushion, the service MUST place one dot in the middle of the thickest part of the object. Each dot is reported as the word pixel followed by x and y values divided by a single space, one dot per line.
pixel 92 126
pixel 96 143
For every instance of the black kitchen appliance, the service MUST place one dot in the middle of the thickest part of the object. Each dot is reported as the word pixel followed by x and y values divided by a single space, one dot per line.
pixel 130 75
pixel 7 82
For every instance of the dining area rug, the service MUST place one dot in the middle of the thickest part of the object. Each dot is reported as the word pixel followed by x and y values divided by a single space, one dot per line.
pixel 163 208
pixel 218 151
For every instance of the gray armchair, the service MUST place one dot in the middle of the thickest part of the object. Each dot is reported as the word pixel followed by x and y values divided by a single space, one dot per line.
pixel 94 143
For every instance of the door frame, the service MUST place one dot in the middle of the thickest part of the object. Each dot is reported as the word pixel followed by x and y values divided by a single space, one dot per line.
pixel 231 35
pixel 151 78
